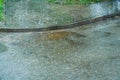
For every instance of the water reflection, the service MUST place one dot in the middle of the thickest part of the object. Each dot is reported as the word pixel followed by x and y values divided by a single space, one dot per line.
pixel 104 8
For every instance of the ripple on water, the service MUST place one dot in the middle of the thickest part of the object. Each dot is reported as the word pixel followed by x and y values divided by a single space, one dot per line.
pixel 3 48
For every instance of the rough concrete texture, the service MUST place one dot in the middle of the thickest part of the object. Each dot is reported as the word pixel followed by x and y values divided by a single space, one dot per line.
pixel 88 53
pixel 91 52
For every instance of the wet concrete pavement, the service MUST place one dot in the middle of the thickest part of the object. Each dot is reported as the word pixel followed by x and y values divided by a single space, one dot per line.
pixel 91 52
pixel 38 13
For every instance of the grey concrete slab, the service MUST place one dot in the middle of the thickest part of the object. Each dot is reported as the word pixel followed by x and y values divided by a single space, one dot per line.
pixel 91 52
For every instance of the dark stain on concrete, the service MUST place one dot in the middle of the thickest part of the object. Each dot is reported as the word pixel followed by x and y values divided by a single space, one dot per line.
pixel 115 43
pixel 107 34
pixel 3 48
pixel 102 34
pixel 1 78
pixel 75 43
pixel 114 57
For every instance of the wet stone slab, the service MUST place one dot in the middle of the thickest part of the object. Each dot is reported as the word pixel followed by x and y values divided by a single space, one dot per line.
pixel 91 52
pixel 39 13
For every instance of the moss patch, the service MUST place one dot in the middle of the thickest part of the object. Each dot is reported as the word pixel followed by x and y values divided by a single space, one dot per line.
pixel 1 10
